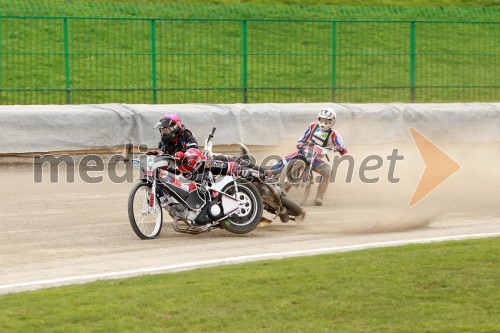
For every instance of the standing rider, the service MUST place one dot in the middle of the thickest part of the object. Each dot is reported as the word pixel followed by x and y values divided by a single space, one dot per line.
pixel 321 133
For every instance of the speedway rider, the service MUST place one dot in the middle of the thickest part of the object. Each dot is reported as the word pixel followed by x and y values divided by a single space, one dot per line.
pixel 178 141
pixel 321 133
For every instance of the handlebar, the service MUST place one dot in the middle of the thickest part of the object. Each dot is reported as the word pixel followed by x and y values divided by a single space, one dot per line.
pixel 208 145
pixel 211 135
pixel 312 144
pixel 166 157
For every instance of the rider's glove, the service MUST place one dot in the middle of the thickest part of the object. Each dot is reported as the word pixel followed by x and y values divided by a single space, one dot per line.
pixel 179 155
pixel 300 145
pixel 154 152
pixel 343 151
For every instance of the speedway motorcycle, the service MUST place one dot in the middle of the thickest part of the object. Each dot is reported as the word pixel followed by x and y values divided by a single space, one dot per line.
pixel 198 202
pixel 296 174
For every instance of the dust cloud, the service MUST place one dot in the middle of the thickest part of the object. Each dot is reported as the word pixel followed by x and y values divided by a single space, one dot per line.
pixel 360 207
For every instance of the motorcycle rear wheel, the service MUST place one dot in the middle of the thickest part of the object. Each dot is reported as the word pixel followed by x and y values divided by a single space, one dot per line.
pixel 248 216
pixel 145 221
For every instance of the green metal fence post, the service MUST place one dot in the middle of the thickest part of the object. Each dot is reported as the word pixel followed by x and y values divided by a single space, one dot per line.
pixel 1 55
pixel 153 61
pixel 66 61
pixel 412 61
pixel 244 61
pixel 334 59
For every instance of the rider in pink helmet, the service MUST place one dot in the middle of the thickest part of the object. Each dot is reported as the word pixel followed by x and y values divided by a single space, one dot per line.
pixel 178 141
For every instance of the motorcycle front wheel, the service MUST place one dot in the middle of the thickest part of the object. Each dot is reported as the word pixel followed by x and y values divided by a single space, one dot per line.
pixel 146 221
pixel 249 213
pixel 296 180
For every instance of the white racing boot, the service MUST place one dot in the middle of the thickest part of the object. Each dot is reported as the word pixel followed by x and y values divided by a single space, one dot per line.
pixel 319 200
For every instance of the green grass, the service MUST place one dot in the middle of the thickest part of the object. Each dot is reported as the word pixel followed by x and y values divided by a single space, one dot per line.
pixel 450 3
pixel 440 287
pixel 111 59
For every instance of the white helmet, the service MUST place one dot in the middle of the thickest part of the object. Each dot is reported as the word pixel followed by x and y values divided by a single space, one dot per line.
pixel 327 118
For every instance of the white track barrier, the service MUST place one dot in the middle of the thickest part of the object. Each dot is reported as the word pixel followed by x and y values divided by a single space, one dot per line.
pixel 44 128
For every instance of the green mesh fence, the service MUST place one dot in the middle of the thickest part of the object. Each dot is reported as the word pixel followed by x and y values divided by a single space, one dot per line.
pixel 152 9
pixel 131 53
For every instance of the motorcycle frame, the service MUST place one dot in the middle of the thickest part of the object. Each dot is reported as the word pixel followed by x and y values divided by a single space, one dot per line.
pixel 218 186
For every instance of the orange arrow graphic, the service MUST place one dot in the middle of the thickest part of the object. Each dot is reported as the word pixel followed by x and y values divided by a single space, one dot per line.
pixel 438 166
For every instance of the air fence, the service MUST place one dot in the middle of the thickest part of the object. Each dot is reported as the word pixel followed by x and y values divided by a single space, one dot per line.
pixel 49 128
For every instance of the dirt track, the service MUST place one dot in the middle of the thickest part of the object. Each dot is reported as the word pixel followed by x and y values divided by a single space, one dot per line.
pixel 53 231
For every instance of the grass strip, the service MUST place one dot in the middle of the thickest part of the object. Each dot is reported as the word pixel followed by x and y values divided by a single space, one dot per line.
pixel 439 287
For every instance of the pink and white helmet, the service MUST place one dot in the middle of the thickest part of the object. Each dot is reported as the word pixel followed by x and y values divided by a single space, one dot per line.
pixel 170 126
pixel 327 118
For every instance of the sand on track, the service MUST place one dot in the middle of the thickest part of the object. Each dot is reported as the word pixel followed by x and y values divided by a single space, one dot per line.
pixel 49 231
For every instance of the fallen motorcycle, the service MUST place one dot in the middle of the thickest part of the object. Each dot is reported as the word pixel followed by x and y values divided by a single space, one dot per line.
pixel 197 203
pixel 273 195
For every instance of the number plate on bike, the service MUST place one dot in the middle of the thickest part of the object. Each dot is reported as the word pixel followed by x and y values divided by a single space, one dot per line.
pixel 136 163
pixel 150 162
